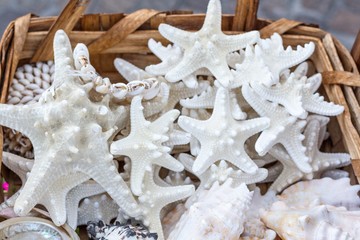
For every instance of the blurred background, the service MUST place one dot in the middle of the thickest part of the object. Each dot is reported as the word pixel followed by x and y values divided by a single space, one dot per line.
pixel 339 17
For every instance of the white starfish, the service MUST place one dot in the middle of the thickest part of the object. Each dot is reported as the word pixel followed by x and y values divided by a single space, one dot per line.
pixel 154 198
pixel 278 59
pixel 207 99
pixel 222 137
pixel 315 103
pixel 171 56
pixel 284 129
pixel 144 145
pixel 74 131
pixel 76 195
pixel 319 161
pixel 168 99
pixel 220 172
pixel 54 197
pixel 95 208
pixel 207 47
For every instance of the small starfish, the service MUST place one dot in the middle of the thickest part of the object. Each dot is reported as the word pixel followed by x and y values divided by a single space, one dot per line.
pixel 54 197
pixel 319 161
pixel 284 129
pixel 78 193
pixel 81 129
pixel 171 56
pixel 95 208
pixel 154 198
pixel 144 144
pixel 278 59
pixel 222 137
pixel 206 48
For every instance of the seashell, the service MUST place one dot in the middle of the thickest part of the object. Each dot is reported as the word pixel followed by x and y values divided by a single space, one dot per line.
pixel 307 224
pixel 218 214
pixel 305 194
pixel 117 231
pixel 171 218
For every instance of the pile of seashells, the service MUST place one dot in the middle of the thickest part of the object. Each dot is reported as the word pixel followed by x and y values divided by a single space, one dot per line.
pixel 230 111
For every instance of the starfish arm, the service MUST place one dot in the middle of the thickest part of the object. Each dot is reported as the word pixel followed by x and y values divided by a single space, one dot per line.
pixel 236 111
pixel 314 82
pixel 295 147
pixel 325 161
pixel 163 123
pixel 111 181
pixel 259 176
pixel 191 81
pixel 273 173
pixel 161 68
pixel 163 52
pixel 158 103
pixel 205 100
pixel 218 66
pixel 74 197
pixel 287 177
pixel 129 71
pixel 34 189
pixel 213 16
pixel 245 163
pixel 19 165
pixel 179 37
pixel 204 160
pixel 222 103
pixel 54 200
pixel 63 59
pixel 316 104
pixel 190 125
pixel 187 160
pixel 250 127
pixel 236 42
pixel 136 115
pixel 22 118
pixel 256 102
pixel 234 58
pixel 193 60
pixel 169 162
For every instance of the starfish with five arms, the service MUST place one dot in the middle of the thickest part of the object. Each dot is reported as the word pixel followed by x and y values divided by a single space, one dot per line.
pixel 222 137
pixel 70 134
pixel 207 47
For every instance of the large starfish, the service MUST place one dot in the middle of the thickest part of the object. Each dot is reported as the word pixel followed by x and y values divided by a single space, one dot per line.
pixel 284 129
pixel 155 197
pixel 54 197
pixel 222 137
pixel 78 193
pixel 70 134
pixel 207 47
pixel 144 145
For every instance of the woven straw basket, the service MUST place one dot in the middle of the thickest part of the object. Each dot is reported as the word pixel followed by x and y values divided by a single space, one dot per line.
pixel 29 39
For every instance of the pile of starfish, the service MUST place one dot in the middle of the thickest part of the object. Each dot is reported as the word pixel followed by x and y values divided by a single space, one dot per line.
pixel 217 106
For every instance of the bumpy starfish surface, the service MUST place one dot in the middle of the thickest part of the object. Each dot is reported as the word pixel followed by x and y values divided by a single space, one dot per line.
pixel 144 145
pixel 95 208
pixel 70 134
pixel 171 56
pixel 277 59
pixel 220 172
pixel 55 196
pixel 155 197
pixel 284 129
pixel 222 137
pixel 319 161
pixel 78 193
pixel 177 91
pixel 207 98
pixel 207 47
